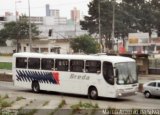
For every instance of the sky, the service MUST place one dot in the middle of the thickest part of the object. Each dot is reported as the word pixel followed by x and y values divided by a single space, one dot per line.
pixel 37 7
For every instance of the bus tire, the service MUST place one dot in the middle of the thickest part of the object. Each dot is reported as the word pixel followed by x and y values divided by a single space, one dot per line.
pixel 35 87
pixel 92 93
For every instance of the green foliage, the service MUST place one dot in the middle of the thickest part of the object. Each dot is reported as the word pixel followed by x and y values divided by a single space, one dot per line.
pixel 45 103
pixel 4 103
pixel 6 96
pixel 130 16
pixel 19 98
pixel 80 106
pixel 85 44
pixel 61 104
pixel 6 65
pixel 17 30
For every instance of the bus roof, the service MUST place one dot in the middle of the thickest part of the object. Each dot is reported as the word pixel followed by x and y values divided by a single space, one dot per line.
pixel 113 59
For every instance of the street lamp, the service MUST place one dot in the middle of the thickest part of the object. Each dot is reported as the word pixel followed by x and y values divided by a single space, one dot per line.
pixel 30 33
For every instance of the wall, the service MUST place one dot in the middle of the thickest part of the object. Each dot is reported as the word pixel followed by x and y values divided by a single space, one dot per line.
pixel 7 49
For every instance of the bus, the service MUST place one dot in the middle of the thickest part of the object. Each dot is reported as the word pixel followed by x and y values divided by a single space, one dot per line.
pixel 91 75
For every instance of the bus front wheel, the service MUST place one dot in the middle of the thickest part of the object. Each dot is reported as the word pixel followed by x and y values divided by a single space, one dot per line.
pixel 93 93
pixel 35 86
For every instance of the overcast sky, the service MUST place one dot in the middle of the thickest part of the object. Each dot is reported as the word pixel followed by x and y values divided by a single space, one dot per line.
pixel 37 7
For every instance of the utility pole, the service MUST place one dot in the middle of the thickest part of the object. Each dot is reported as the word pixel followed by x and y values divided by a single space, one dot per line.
pixel 17 39
pixel 30 32
pixel 113 23
pixel 75 25
pixel 99 25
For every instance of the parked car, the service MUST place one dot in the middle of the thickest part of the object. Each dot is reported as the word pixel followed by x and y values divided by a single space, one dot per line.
pixel 151 88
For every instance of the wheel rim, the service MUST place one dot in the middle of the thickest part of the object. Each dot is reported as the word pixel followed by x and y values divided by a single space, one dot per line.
pixel 93 93
pixel 147 94
pixel 35 88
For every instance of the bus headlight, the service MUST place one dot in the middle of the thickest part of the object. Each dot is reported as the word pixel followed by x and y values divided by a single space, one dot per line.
pixel 119 92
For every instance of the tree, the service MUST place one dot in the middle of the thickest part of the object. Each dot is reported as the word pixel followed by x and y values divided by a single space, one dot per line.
pixel 130 16
pixel 84 43
pixel 91 22
pixel 17 31
pixel 2 38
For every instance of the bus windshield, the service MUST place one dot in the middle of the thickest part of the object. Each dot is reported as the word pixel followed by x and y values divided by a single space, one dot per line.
pixel 126 73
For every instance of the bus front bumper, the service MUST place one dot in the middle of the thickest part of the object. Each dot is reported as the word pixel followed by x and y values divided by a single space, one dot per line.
pixel 121 93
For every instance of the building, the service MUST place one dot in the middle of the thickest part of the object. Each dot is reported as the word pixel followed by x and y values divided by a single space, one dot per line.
pixel 62 30
pixel 47 10
pixel 138 43
pixel 52 12
pixel 47 46
pixel 55 13
pixel 75 15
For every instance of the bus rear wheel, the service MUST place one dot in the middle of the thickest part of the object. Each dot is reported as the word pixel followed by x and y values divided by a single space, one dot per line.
pixel 35 87
pixel 93 93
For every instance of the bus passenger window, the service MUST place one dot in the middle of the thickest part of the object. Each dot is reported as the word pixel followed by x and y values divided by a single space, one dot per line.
pixel 93 66
pixel 76 65
pixel 33 63
pixel 108 72
pixel 47 64
pixel 21 62
pixel 61 65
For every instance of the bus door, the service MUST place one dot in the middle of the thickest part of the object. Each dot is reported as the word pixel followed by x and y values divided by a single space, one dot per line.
pixel 108 75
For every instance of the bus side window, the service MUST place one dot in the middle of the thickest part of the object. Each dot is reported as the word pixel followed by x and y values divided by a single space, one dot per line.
pixel 108 72
pixel 76 65
pixel 61 65
pixel 93 66
pixel 47 64
pixel 33 63
pixel 21 62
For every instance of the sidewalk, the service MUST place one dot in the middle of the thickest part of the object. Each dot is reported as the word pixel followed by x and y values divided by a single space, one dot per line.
pixel 4 71
pixel 5 58
pixel 146 78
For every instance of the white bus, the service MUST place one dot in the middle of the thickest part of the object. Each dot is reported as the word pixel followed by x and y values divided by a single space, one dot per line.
pixel 92 75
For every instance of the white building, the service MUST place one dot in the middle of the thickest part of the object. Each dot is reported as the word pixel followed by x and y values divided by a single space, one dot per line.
pixel 62 31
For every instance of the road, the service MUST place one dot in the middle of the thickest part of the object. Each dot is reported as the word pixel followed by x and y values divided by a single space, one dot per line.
pixel 53 99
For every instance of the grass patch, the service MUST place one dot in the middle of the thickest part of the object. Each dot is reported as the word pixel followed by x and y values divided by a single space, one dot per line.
pixel 45 103
pixel 6 54
pixel 4 104
pixel 19 98
pixel 6 96
pixel 6 65
pixel 77 108
pixel 31 102
pixel 61 104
